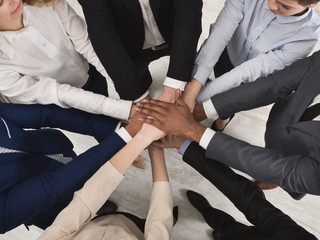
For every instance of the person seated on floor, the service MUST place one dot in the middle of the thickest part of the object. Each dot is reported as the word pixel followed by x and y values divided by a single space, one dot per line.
pixel 129 35
pixel 53 65
pixel 75 221
pixel 251 39
pixel 38 168
pixel 269 222
pixel 291 157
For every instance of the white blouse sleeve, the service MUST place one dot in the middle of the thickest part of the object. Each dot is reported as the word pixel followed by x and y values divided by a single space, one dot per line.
pixel 45 90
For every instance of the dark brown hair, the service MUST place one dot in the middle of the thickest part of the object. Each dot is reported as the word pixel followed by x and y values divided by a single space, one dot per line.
pixel 307 2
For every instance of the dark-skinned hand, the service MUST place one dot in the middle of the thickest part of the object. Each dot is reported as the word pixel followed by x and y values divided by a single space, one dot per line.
pixel 175 119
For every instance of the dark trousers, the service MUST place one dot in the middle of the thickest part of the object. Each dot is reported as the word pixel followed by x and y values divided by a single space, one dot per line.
pixel 223 66
pixel 96 82
pixel 270 222
pixel 142 61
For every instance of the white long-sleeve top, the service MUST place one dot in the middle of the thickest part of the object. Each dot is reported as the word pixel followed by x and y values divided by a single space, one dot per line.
pixel 74 221
pixel 46 62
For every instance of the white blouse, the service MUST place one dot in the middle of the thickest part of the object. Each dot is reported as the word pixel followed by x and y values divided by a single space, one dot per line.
pixel 46 62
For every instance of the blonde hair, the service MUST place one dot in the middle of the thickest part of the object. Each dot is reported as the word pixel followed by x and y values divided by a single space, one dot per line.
pixel 39 3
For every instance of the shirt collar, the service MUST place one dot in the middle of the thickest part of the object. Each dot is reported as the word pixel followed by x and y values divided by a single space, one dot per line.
pixel 288 19
pixel 7 37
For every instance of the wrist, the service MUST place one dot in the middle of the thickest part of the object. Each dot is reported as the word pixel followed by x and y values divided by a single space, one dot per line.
pixel 168 90
pixel 195 132
pixel 193 88
pixel 145 139
pixel 132 110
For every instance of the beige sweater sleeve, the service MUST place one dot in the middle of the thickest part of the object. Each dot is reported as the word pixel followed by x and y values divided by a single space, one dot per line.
pixel 160 220
pixel 86 202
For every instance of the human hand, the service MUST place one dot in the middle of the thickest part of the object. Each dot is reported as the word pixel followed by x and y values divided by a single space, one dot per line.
pixel 135 123
pixel 168 94
pixel 191 92
pixel 134 106
pixel 175 119
pixel 150 132
pixel 132 110
pixel 175 143
pixel 198 113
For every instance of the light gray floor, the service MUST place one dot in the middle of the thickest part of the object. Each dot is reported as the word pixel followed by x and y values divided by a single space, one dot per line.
pixel 133 194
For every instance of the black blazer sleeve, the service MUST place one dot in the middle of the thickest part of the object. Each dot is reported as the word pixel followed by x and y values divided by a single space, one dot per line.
pixel 109 48
pixel 185 34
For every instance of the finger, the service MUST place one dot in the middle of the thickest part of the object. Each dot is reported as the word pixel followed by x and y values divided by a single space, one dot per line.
pixel 169 138
pixel 179 99
pixel 152 114
pixel 158 103
pixel 158 144
pixel 151 106
pixel 153 122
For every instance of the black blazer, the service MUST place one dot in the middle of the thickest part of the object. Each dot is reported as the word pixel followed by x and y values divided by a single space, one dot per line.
pixel 292 155
pixel 117 33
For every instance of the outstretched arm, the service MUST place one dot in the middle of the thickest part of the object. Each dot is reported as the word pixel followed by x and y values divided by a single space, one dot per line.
pixel 287 171
pixel 101 185
pixel 160 220
pixel 37 116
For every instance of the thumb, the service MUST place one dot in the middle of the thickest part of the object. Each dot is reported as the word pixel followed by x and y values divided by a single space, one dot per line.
pixel 178 96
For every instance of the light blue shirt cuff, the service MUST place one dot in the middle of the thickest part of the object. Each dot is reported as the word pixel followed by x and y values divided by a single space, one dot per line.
pixel 184 146
pixel 174 83
pixel 201 74
pixel 122 132
pixel 210 110
pixel 206 138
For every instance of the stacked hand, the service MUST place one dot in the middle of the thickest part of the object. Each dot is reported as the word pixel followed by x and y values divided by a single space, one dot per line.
pixel 175 119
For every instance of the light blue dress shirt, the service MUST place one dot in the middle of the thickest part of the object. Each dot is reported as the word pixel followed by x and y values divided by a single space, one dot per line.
pixel 258 42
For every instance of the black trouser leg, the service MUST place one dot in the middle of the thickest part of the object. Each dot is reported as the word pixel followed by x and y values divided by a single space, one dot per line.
pixel 246 196
pixel 141 63
pixel 223 66
pixel 96 82
pixel 219 220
